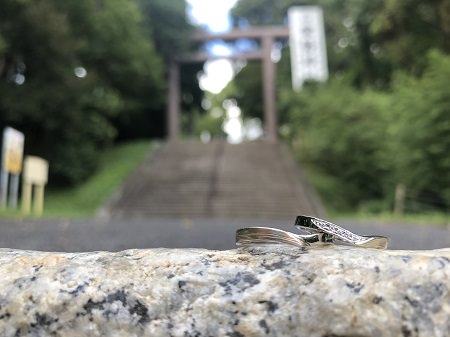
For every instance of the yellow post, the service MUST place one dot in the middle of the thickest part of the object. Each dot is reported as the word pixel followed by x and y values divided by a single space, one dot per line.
pixel 39 199
pixel 26 197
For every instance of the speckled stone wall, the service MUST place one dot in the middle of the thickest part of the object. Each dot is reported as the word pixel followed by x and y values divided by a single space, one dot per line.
pixel 270 291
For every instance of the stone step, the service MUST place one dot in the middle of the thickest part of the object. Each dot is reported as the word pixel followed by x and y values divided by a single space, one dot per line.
pixel 217 179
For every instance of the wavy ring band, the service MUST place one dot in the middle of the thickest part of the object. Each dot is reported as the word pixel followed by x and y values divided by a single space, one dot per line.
pixel 319 232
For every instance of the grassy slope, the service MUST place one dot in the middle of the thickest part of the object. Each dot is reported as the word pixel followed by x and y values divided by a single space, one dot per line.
pixel 329 191
pixel 82 201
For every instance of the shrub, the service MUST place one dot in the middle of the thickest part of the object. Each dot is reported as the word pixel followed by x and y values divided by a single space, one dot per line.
pixel 340 132
pixel 420 144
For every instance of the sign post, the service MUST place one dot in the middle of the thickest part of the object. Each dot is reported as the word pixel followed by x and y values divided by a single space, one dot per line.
pixel 12 154
pixel 14 190
pixel 307 45
pixel 4 188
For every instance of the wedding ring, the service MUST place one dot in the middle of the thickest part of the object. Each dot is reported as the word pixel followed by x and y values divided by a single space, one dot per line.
pixel 320 232
pixel 315 225
pixel 267 235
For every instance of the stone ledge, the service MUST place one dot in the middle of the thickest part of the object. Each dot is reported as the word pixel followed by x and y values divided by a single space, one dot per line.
pixel 270 291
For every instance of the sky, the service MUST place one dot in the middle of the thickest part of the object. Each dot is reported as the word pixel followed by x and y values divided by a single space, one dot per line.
pixel 211 13
pixel 215 16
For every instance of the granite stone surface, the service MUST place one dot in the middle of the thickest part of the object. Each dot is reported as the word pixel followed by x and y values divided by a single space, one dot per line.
pixel 260 291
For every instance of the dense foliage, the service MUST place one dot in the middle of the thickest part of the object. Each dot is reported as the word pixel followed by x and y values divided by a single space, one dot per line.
pixel 420 133
pixel 338 130
pixel 76 75
pixel 383 118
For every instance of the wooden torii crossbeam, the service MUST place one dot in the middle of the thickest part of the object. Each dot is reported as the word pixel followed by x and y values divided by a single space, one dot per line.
pixel 266 35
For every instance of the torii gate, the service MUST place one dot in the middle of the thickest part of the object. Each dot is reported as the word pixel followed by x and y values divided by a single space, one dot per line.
pixel 267 35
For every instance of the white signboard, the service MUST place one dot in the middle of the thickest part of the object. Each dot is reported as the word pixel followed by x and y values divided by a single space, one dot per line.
pixel 307 45
pixel 12 152
pixel 35 170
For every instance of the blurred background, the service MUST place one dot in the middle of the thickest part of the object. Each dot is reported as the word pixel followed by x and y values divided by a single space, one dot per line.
pixel 87 83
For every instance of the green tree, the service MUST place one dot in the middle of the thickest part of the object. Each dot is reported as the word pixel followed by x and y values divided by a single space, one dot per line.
pixel 167 26
pixel 405 30
pixel 247 90
pixel 68 71
pixel 338 131
pixel 420 133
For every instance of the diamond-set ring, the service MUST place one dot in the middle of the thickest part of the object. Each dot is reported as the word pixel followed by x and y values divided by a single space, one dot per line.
pixel 320 232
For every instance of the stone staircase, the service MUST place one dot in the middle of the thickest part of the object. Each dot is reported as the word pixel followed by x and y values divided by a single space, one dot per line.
pixel 191 179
